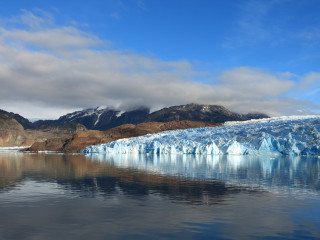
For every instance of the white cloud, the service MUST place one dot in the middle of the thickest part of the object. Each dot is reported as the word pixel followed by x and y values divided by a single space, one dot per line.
pixel 62 67
pixel 309 80
pixel 308 88
pixel 36 22
pixel 255 82
pixel 54 39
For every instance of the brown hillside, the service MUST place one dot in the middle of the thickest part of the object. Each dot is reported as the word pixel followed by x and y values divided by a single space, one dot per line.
pixel 83 139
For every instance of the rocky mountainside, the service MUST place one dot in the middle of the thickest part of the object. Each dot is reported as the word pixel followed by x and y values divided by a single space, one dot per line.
pixel 66 130
pixel 56 135
pixel 9 123
pixel 23 121
pixel 11 132
pixel 98 118
pixel 80 140
pixel 103 118
pixel 198 112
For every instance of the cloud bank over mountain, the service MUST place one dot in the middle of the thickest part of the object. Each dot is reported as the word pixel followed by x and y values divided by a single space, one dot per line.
pixel 47 66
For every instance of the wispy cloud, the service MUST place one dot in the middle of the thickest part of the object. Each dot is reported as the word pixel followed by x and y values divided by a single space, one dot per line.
pixel 141 5
pixel 115 15
pixel 55 39
pixel 308 88
pixel 252 18
pixel 36 19
pixel 311 36
pixel 251 25
pixel 260 22
pixel 62 67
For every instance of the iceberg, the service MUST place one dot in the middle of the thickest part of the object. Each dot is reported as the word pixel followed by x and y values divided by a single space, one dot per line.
pixel 292 135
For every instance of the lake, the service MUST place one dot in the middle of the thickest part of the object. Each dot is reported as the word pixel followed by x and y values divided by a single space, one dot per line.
pixel 62 196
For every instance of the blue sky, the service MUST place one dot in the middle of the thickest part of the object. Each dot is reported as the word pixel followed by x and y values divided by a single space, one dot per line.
pixel 246 55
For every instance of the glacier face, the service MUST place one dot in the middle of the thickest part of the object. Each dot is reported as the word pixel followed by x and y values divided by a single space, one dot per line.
pixel 295 135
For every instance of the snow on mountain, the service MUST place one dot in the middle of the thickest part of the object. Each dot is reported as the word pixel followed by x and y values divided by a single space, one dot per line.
pixel 120 113
pixel 86 112
pixel 103 118
pixel 101 108
pixel 200 112
pixel 295 135
pixel 97 121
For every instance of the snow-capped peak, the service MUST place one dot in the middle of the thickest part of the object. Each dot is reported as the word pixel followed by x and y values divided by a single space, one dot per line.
pixel 101 108
pixel 87 112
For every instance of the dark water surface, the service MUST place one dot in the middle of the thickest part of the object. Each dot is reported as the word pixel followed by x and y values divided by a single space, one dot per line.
pixel 55 196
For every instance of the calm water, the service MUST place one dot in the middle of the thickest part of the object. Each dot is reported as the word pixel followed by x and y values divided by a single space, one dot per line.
pixel 55 196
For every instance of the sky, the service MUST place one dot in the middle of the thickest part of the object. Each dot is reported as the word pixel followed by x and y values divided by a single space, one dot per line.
pixel 247 55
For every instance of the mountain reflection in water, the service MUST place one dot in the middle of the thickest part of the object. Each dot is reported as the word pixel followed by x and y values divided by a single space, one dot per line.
pixel 145 172
pixel 92 178
pixel 270 172
pixel 55 196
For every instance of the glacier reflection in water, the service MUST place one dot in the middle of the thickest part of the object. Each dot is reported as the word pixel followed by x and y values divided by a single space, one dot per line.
pixel 298 173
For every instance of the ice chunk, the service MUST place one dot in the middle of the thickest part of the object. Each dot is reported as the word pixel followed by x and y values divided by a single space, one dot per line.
pixel 236 149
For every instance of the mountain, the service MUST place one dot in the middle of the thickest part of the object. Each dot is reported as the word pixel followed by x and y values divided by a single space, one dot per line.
pixel 9 123
pixel 23 121
pixel 103 118
pixel 98 118
pixel 199 112
pixel 56 135
pixel 274 136
pixel 106 118
pixel 11 132
pixel 80 140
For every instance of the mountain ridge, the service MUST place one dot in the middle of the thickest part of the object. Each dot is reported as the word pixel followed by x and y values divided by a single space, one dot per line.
pixel 82 139
pixel 13 134
pixel 23 121
pixel 104 118
pixel 201 112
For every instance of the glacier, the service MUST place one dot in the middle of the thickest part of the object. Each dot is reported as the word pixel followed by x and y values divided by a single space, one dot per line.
pixel 289 135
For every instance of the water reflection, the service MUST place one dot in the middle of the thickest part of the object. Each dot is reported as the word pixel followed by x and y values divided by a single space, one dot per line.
pixel 274 173
pixel 291 174
pixel 57 196
pixel 30 177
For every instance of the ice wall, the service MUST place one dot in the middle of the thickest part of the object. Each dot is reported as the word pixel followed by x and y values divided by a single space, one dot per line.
pixel 295 135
